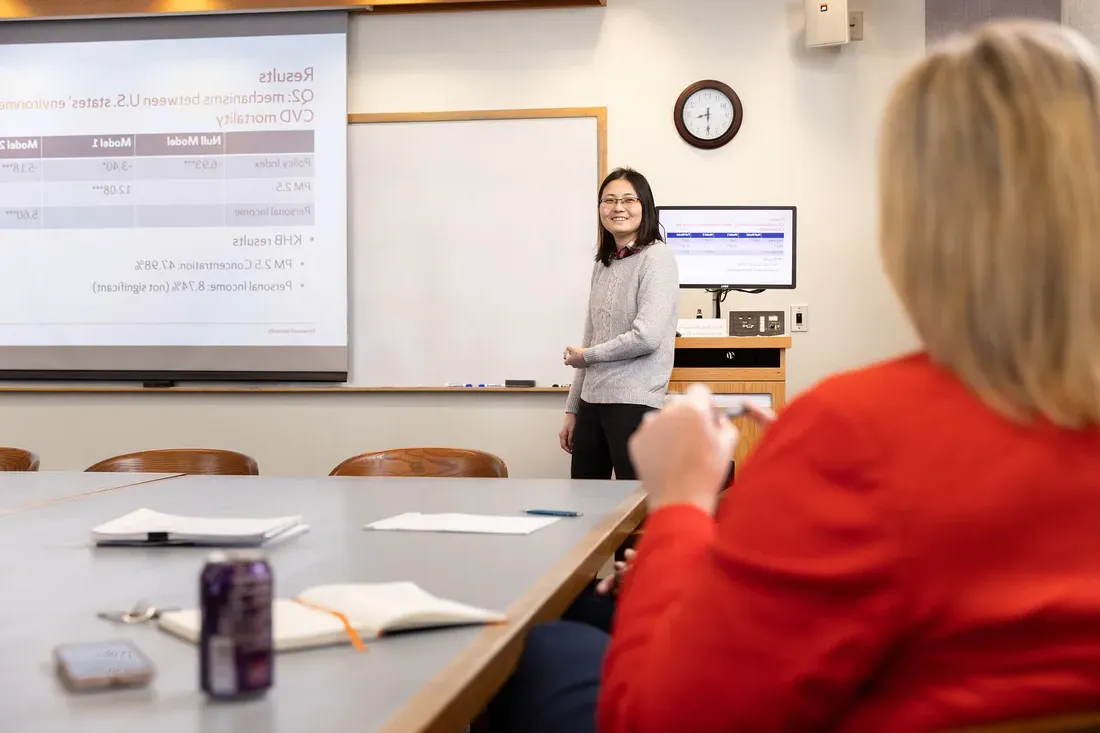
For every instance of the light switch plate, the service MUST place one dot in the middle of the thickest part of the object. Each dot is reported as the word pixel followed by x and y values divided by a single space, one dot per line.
pixel 800 318
pixel 855 25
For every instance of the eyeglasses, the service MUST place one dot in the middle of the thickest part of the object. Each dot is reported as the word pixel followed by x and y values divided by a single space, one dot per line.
pixel 625 201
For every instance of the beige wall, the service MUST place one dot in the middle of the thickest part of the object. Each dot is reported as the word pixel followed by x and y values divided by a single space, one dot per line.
pixel 1084 15
pixel 808 139
pixel 946 17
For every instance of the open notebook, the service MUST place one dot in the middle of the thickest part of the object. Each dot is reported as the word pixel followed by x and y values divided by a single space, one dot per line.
pixel 145 527
pixel 316 617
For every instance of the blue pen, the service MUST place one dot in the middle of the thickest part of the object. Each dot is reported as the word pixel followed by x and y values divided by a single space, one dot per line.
pixel 552 512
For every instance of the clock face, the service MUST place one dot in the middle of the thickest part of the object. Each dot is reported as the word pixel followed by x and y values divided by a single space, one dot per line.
pixel 708 114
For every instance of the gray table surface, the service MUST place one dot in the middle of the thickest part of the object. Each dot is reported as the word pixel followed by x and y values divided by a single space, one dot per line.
pixel 19 489
pixel 55 583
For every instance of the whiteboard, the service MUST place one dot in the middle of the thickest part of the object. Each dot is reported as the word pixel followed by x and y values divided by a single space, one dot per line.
pixel 472 244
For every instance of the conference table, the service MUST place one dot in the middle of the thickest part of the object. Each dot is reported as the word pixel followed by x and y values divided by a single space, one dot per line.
pixel 21 490
pixel 57 582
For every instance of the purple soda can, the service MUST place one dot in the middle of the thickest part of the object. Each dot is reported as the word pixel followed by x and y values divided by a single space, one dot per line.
pixel 236 647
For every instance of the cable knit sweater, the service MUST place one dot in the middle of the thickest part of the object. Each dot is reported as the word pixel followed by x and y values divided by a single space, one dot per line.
pixel 630 331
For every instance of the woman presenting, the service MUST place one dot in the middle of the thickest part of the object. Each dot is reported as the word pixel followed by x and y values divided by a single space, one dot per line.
pixel 625 360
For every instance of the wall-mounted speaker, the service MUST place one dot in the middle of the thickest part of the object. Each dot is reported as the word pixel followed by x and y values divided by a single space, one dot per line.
pixel 827 23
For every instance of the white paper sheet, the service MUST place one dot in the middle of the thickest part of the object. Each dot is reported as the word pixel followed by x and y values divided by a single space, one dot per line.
pixel 473 523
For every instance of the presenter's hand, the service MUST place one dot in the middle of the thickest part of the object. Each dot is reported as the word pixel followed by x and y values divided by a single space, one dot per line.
pixel 565 435
pixel 682 452
pixel 574 357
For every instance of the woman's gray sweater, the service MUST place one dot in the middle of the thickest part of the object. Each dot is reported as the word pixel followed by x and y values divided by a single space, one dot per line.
pixel 630 330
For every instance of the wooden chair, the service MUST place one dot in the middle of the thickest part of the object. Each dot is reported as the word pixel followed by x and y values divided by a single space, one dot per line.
pixel 1076 723
pixel 434 462
pixel 181 460
pixel 17 459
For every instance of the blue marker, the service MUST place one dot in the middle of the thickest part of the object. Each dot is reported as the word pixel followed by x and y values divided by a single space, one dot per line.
pixel 552 512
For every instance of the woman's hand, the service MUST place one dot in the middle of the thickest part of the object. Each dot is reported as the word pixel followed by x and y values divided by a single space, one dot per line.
pixel 682 452
pixel 565 435
pixel 574 357
pixel 611 584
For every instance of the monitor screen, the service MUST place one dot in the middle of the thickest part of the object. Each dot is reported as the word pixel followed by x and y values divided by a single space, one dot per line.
pixel 744 247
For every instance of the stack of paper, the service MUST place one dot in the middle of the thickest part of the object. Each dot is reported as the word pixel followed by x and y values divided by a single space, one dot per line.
pixel 475 523
pixel 322 615
pixel 146 527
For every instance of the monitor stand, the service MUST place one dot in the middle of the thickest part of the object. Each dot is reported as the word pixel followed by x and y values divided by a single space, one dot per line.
pixel 719 295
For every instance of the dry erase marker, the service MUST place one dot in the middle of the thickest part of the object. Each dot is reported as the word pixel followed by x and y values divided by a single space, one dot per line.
pixel 552 512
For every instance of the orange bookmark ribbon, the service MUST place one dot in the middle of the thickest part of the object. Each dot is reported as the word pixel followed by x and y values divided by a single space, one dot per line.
pixel 348 628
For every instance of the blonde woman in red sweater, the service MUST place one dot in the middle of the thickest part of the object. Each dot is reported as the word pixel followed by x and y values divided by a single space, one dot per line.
pixel 913 546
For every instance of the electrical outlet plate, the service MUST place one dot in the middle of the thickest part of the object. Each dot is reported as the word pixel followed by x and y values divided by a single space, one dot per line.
pixel 757 323
pixel 800 318
pixel 855 25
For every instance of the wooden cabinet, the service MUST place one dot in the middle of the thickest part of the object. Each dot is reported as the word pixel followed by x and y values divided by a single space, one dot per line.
pixel 735 366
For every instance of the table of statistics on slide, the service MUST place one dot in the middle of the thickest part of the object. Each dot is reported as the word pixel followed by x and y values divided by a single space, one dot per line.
pixel 161 180
pixel 174 192
pixel 740 247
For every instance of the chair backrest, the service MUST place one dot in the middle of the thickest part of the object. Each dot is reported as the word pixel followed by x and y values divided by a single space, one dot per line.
pixel 1076 723
pixel 17 459
pixel 433 462
pixel 181 460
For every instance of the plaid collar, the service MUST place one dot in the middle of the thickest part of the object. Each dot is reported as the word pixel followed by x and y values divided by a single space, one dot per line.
pixel 627 251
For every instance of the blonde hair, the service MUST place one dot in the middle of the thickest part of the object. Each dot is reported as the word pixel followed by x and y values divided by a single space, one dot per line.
pixel 990 215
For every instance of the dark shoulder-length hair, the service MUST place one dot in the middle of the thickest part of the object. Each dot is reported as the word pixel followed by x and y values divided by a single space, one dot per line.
pixel 650 229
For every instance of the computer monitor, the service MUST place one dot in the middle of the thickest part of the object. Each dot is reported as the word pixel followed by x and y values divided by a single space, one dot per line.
pixel 732 247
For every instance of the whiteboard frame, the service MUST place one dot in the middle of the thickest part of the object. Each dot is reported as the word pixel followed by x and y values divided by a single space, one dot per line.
pixel 371 118
pixel 599 113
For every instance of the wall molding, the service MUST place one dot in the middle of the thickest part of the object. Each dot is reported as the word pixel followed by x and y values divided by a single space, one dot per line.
pixel 61 9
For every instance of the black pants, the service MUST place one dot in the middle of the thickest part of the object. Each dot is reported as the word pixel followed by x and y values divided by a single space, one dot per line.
pixel 556 685
pixel 592 609
pixel 600 439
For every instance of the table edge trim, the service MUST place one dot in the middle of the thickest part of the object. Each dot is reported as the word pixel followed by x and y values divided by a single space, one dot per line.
pixel 456 695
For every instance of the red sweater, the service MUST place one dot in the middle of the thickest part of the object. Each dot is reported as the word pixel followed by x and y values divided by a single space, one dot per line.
pixel 894 557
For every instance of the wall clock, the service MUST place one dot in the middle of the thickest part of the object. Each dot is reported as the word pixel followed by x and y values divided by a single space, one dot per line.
pixel 708 114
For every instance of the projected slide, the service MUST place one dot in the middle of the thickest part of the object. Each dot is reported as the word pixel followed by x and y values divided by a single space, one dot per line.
pixel 732 247
pixel 174 192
